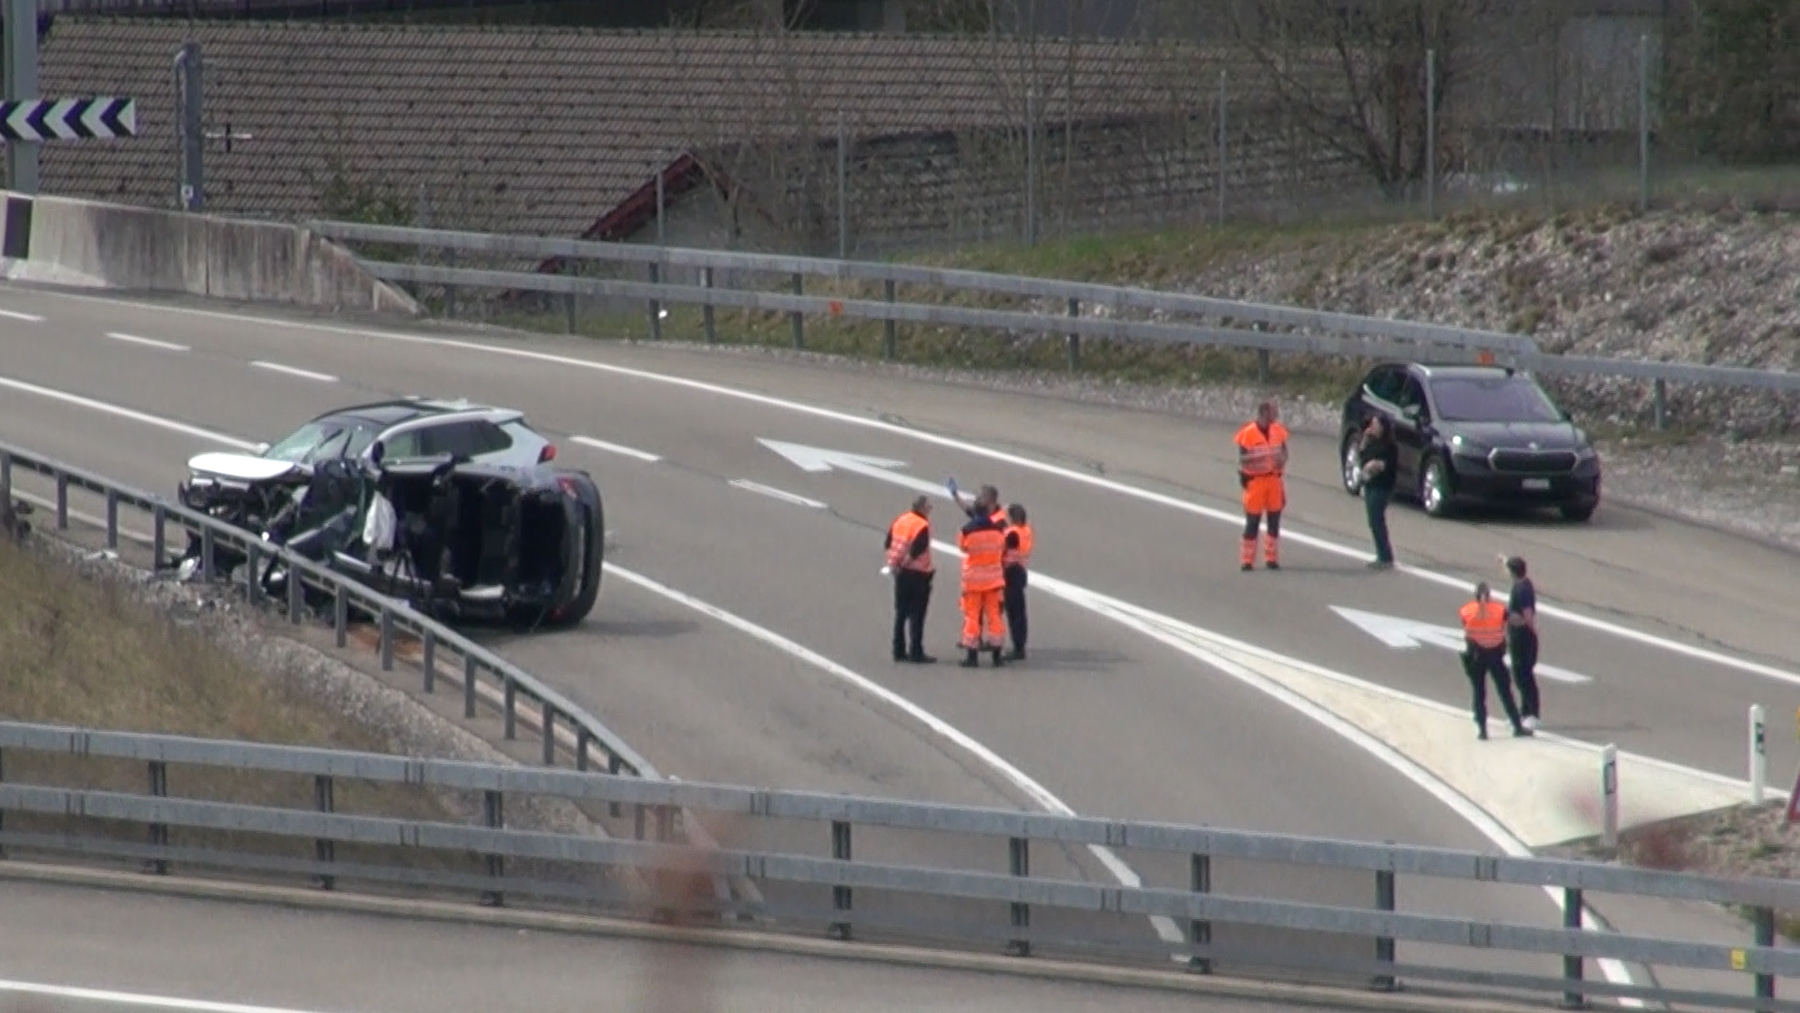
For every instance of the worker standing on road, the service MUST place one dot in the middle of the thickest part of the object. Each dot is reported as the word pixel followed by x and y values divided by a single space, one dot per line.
pixel 1262 463
pixel 1484 654
pixel 1521 636
pixel 908 548
pixel 1378 457
pixel 983 545
pixel 1015 561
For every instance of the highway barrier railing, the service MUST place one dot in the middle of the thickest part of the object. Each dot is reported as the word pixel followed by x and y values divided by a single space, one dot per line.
pixel 819 887
pixel 1271 328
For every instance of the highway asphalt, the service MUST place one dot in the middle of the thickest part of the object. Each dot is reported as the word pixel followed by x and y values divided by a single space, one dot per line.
pixel 1110 720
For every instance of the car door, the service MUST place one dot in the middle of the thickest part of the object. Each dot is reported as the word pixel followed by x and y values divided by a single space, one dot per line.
pixel 1412 431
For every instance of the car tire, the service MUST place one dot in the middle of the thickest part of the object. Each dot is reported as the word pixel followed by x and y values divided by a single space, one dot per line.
pixel 1349 465
pixel 1434 487
pixel 1579 512
pixel 573 613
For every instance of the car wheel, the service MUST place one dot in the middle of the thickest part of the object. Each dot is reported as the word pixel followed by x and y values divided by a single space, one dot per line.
pixel 1578 512
pixel 1352 467
pixel 1434 488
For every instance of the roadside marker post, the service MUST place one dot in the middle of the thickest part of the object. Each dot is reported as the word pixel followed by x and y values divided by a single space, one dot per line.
pixel 1609 794
pixel 1759 756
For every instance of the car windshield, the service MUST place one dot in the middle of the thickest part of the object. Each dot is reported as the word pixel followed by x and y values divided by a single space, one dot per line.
pixel 317 441
pixel 1493 399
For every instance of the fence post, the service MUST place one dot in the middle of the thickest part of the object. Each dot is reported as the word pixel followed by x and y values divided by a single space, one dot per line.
pixel 1643 122
pixel 799 317
pixel 325 850
pixel 613 766
pixel 495 817
pixel 112 519
pixel 1765 937
pixel 568 313
pixel 1384 945
pixel 206 556
pixel 5 476
pixel 843 182
pixel 3 494
pixel 1573 970
pixel 1019 849
pixel 252 563
pixel 62 502
pixel 1200 881
pixel 1659 403
pixel 296 592
pixel 706 310
pixel 890 344
pixel 158 535
pixel 1222 77
pixel 1431 133
pixel 387 639
pixel 1030 167
pixel 341 614
pixel 469 671
pixel 655 304
pixel 549 735
pixel 508 710
pixel 428 659
pixel 1759 757
pixel 1609 795
pixel 582 739
pixel 159 832
pixel 450 289
pixel 840 895
pixel 1074 337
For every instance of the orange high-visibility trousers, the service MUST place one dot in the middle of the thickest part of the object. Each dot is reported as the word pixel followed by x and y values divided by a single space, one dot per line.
pixel 1266 494
pixel 984 622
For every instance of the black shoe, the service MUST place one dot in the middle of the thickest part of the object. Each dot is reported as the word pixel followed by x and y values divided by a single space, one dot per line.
pixel 1271 566
pixel 922 659
pixel 899 657
pixel 1247 567
pixel 998 661
pixel 971 660
pixel 1017 654
pixel 1481 733
pixel 1522 732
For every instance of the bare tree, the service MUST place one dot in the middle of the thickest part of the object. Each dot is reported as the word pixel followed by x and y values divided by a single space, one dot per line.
pixel 1353 74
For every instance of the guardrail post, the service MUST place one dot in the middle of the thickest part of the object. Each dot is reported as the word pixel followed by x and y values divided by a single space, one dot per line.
pixel 510 709
pixel 494 815
pixel 251 584
pixel 428 659
pixel 62 502
pixel 449 289
pixel 1765 937
pixel 1609 795
pixel 582 738
pixel 158 538
pixel 159 832
pixel 890 338
pixel 1074 338
pixel 1262 365
pixel 112 519
pixel 1019 851
pixel 706 308
pixel 568 313
pixel 655 304
pixel 325 850
pixel 613 766
pixel 1384 945
pixel 840 895
pixel 387 639
pixel 340 614
pixel 798 317
pixel 469 686
pixel 296 592
pixel 5 476
pixel 1200 881
pixel 549 736
pixel 3 493
pixel 206 557
pixel 1573 969
pixel 1659 403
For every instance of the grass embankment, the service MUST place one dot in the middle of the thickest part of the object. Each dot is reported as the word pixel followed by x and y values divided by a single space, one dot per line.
pixel 85 652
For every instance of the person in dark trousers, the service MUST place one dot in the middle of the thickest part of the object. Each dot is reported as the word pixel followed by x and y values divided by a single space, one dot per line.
pixel 908 549
pixel 1522 638
pixel 1378 457
pixel 1016 562
pixel 1484 654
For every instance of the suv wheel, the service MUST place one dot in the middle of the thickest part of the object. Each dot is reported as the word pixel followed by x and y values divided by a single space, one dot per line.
pixel 1352 467
pixel 1434 488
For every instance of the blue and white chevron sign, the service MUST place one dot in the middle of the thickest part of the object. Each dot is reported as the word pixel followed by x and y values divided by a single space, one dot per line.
pixel 68 119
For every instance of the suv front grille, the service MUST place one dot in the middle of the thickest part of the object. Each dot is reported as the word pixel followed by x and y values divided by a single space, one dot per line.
pixel 1532 461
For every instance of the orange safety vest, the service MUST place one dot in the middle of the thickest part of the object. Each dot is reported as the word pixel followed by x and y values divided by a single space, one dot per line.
pixel 901 534
pixel 1485 625
pixel 1262 459
pixel 983 548
pixel 1020 556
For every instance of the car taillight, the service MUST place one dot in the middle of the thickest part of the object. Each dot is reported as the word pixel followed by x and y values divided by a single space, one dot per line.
pixel 567 485
pixel 547 454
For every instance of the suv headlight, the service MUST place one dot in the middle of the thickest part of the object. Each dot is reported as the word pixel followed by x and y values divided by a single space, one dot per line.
pixel 1467 448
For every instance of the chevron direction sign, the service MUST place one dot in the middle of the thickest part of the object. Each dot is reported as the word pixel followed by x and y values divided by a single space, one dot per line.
pixel 68 119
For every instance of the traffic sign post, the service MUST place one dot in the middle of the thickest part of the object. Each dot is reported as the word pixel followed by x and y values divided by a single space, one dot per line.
pixel 21 83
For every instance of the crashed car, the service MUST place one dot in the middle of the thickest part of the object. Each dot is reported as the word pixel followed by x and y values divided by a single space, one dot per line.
pixel 457 537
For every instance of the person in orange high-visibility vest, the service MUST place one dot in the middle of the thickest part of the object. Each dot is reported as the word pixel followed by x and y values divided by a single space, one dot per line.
pixel 908 548
pixel 1484 654
pixel 1262 464
pixel 1015 562
pixel 983 544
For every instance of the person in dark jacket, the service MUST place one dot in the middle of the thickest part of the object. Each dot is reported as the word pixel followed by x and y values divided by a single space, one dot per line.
pixel 1378 458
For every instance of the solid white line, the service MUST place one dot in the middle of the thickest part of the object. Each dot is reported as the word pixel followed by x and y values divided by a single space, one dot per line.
pixel 147 342
pixel 1165 927
pixel 49 504
pixel 127 413
pixel 306 374
pixel 137 998
pixel 16 315
pixel 589 441
pixel 1545 607
pixel 774 493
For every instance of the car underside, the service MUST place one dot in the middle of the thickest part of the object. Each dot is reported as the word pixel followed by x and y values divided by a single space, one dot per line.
pixel 456 540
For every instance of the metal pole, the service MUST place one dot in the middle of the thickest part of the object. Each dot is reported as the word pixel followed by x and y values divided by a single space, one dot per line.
pixel 843 173
pixel 1030 166
pixel 22 83
pixel 190 99
pixel 1609 794
pixel 1759 758
pixel 1222 108
pixel 656 169
pixel 1431 133
pixel 1644 122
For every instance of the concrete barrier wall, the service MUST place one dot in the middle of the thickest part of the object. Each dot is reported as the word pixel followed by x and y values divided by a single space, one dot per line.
pixel 59 241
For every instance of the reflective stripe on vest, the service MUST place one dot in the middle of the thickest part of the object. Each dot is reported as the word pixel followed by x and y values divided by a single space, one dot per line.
pixel 1261 450
pixel 1485 625
pixel 901 533
pixel 982 551
pixel 1020 556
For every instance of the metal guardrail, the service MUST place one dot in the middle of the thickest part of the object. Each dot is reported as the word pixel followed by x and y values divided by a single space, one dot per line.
pixel 485 675
pixel 561 868
pixel 1309 331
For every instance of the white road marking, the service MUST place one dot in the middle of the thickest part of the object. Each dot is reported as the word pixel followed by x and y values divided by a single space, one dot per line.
pixel 589 441
pixel 774 493
pixel 127 413
pixel 143 537
pixel 16 315
pixel 1165 927
pixel 136 998
pixel 167 346
pixel 305 374
pixel 1408 634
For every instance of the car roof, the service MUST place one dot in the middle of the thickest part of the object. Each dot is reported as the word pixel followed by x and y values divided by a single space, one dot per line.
pixel 393 412
pixel 1453 370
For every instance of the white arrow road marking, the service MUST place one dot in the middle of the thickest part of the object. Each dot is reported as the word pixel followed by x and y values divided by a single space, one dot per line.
pixel 1408 634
